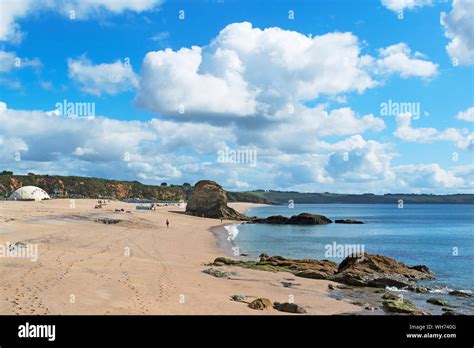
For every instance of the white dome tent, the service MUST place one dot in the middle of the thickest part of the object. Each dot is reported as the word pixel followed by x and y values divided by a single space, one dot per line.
pixel 29 193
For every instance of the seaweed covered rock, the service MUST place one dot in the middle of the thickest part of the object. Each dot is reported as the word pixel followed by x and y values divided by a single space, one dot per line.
pixel 437 302
pixel 368 270
pixel 401 306
pixel 305 268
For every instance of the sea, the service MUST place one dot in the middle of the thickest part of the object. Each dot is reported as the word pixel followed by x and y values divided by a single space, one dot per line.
pixel 440 236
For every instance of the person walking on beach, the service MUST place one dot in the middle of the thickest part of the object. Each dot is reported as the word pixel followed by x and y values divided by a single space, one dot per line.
pixel 167 223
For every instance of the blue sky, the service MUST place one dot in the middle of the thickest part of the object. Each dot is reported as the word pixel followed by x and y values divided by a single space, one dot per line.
pixel 334 63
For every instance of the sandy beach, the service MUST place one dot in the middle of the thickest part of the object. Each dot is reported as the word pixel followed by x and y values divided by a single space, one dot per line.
pixel 137 266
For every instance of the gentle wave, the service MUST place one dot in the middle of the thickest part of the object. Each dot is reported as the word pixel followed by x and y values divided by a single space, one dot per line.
pixel 446 290
pixel 443 290
pixel 232 232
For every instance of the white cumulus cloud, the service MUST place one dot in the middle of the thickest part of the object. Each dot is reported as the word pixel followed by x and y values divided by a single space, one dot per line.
pixel 398 59
pixel 462 138
pixel 248 71
pixel 13 10
pixel 98 79
pixel 400 5
pixel 459 28
pixel 428 176
pixel 466 115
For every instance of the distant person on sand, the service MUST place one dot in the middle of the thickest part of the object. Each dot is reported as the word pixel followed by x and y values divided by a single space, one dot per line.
pixel 167 223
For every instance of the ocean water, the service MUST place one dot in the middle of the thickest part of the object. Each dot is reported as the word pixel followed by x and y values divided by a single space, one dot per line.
pixel 440 236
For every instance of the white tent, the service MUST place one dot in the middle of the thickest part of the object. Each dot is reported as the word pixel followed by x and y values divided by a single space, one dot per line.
pixel 29 193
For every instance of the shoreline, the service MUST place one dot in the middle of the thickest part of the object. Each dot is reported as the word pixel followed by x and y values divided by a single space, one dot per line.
pixel 220 232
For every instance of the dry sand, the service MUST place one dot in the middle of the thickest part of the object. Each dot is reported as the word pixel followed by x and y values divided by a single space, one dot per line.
pixel 138 266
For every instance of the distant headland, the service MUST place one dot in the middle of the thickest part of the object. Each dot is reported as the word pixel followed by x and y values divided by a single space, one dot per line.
pixel 89 187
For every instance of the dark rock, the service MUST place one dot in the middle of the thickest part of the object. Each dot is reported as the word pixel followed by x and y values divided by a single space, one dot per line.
pixel 210 200
pixel 331 287
pixel 377 271
pixel 309 219
pixel 275 220
pixel 437 301
pixel 449 311
pixel 421 268
pixel 261 304
pixel 348 221
pixel 460 293
pixel 108 221
pixel 301 219
pixel 288 307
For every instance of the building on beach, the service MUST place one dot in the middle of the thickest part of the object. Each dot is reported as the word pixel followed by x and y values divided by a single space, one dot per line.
pixel 29 193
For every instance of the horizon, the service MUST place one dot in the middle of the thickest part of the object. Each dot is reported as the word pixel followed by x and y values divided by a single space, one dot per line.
pixel 296 96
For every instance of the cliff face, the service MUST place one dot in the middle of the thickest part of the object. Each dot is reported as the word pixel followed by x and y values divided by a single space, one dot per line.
pixel 84 187
pixel 210 200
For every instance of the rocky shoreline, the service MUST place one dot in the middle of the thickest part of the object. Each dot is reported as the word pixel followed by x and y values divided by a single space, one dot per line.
pixel 364 280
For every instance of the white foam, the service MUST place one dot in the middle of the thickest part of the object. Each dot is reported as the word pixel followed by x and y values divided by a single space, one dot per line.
pixel 394 288
pixel 443 290
pixel 446 290
pixel 232 231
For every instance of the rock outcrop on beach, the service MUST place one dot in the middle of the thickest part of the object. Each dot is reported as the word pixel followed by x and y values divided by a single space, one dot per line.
pixel 288 307
pixel 301 219
pixel 379 271
pixel 261 304
pixel 371 270
pixel 305 268
pixel 437 302
pixel 401 307
pixel 209 200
